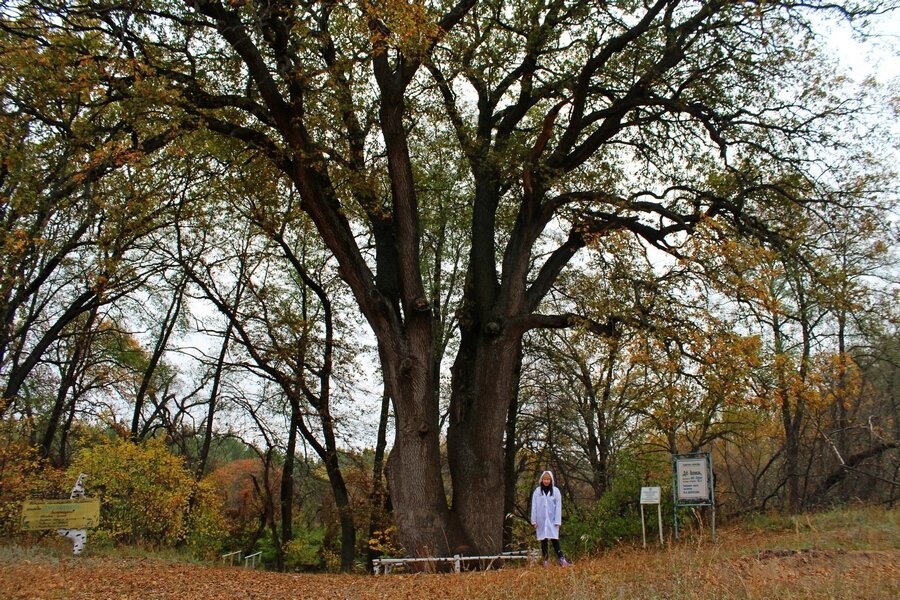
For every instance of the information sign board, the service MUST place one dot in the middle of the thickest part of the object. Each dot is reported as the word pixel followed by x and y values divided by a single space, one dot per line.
pixel 60 514
pixel 650 495
pixel 692 478
pixel 692 485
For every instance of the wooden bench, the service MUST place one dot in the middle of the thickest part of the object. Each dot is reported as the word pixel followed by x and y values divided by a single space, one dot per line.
pixel 387 565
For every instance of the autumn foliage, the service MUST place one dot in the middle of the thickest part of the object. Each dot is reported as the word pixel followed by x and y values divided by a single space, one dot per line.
pixel 145 494
pixel 23 475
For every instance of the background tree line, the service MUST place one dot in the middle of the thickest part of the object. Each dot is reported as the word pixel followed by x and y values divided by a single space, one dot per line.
pixel 566 242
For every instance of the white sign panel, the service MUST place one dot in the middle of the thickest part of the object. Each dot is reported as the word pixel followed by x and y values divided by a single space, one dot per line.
pixel 693 478
pixel 650 495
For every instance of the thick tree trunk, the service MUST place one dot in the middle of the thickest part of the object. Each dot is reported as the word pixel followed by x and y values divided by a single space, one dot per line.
pixel 416 487
pixel 484 384
pixel 414 465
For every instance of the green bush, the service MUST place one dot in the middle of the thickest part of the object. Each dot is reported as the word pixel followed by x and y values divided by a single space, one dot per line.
pixel 616 517
pixel 304 552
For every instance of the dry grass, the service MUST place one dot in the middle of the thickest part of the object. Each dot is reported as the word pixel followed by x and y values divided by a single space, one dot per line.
pixel 848 554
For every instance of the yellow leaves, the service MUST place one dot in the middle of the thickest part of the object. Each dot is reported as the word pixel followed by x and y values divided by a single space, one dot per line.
pixel 616 242
pixel 405 25
pixel 836 379
pixel 385 542
pixel 144 490
pixel 740 267
pixel 116 152
pixel 23 474
pixel 16 242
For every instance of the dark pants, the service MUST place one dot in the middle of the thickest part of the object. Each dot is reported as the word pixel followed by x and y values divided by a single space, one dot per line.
pixel 556 548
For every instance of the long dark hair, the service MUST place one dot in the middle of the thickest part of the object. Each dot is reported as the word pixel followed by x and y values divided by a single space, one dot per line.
pixel 546 489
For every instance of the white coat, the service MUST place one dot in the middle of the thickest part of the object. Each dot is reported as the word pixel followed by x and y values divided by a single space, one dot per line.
pixel 546 511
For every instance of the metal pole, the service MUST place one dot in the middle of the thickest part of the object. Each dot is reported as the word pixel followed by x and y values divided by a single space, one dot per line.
pixel 712 494
pixel 675 494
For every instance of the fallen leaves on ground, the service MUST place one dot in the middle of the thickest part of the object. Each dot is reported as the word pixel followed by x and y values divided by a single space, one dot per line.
pixel 680 572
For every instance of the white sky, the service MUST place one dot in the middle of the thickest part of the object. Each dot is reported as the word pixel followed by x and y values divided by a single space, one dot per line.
pixel 877 56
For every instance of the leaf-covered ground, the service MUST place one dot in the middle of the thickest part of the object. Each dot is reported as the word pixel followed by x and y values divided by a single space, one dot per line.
pixel 843 557
pixel 858 574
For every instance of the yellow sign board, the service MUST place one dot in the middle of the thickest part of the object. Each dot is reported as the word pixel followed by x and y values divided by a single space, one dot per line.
pixel 81 513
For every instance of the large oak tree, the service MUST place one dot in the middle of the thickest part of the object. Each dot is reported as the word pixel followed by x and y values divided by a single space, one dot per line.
pixel 575 119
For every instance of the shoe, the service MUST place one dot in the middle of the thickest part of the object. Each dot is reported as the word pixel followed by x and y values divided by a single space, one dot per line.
pixel 546 563
pixel 564 563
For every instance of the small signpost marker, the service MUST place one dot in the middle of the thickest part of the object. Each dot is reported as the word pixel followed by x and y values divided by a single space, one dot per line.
pixel 651 495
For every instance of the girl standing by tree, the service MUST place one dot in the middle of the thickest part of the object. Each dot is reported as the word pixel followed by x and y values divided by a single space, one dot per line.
pixel 546 516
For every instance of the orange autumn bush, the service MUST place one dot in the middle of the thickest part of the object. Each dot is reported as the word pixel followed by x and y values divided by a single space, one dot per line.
pixel 23 475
